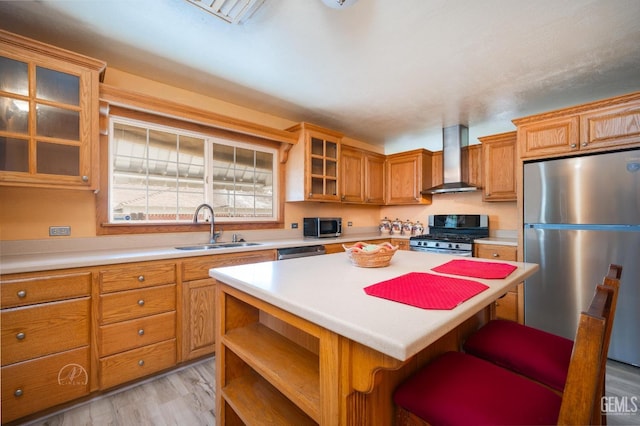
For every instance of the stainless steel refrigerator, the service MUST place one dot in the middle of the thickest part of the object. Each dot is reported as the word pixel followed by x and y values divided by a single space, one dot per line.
pixel 580 214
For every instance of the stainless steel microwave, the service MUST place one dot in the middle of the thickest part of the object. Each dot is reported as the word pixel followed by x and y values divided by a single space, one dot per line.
pixel 322 227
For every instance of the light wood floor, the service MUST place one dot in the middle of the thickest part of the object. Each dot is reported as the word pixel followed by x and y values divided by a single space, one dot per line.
pixel 186 397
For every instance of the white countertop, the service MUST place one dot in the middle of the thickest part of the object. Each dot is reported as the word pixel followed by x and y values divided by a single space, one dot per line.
pixel 502 241
pixel 328 291
pixel 52 259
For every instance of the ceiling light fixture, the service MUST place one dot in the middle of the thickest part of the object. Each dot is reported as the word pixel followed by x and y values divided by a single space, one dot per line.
pixel 232 11
pixel 339 4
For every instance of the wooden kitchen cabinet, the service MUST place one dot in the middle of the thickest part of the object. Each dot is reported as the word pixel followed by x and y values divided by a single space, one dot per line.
pixel 361 176
pixel 49 115
pixel 596 126
pixel 136 333
pixel 46 327
pixel 402 243
pixel 314 164
pixel 198 298
pixel 510 305
pixel 407 174
pixel 471 163
pixel 499 168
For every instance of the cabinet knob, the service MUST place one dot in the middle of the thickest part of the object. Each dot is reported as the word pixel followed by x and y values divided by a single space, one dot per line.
pixel 85 178
pixel 141 362
pixel 22 294
pixel 18 392
pixel 141 278
pixel 495 255
pixel 488 194
pixel 585 143
pixel 141 332
pixel 140 302
pixel 573 146
pixel 20 336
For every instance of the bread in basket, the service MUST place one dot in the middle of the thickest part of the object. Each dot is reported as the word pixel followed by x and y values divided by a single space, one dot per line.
pixel 368 255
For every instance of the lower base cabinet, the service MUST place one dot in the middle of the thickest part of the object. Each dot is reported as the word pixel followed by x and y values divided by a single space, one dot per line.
pixel 31 386
pixel 508 306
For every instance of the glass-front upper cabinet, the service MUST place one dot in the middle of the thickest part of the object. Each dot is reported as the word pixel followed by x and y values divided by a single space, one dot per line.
pixel 313 165
pixel 48 115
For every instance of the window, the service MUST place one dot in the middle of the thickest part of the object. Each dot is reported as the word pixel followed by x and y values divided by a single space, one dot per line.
pixel 160 174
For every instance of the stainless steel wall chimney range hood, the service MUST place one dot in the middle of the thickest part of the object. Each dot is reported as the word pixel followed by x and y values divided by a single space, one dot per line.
pixel 454 138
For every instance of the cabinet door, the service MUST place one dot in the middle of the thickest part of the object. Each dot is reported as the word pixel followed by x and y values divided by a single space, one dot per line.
pixel 607 127
pixel 549 137
pixel 437 172
pixel 499 155
pixel 408 174
pixel 374 185
pixel 322 167
pixel 199 299
pixel 352 175
pixel 48 116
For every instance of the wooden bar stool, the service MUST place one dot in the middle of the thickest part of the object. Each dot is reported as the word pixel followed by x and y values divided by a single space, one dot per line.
pixel 533 353
pixel 461 389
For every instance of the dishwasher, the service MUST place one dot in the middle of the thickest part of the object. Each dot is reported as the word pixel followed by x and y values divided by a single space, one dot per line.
pixel 304 251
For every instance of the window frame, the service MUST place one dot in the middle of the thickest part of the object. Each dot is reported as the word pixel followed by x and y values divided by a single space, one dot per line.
pixel 104 227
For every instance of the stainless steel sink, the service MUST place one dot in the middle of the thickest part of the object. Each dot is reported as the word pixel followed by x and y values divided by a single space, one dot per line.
pixel 217 246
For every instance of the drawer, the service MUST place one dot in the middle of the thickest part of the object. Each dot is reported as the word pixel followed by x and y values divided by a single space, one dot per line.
pixel 35 385
pixel 126 305
pixel 38 289
pixel 32 331
pixel 136 363
pixel 198 268
pixel 136 276
pixel 131 334
pixel 498 252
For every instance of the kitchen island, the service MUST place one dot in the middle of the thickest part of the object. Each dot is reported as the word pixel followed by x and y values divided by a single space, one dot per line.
pixel 299 341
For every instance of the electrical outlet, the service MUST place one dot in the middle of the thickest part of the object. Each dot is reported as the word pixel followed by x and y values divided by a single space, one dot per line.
pixel 349 223
pixel 59 231
pixel 294 225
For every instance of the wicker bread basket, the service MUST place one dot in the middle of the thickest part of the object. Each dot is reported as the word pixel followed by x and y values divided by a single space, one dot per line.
pixel 370 255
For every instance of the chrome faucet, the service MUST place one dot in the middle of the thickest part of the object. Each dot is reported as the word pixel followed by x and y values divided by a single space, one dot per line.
pixel 213 236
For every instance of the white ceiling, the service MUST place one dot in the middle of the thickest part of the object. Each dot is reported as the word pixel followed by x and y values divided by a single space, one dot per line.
pixel 386 72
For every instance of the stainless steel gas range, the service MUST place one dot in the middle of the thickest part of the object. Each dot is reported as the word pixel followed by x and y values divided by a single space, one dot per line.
pixel 452 234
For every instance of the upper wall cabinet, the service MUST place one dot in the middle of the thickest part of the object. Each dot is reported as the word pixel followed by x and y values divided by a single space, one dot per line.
pixel 471 166
pixel 361 176
pixel 408 173
pixel 314 164
pixel 596 126
pixel 499 167
pixel 48 115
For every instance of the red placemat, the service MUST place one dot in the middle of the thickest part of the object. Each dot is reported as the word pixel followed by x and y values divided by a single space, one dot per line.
pixel 427 291
pixel 473 268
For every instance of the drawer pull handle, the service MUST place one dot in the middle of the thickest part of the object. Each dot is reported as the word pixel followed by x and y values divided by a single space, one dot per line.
pixel 141 278
pixel 141 362
pixel 18 392
pixel 20 336
pixel 140 302
pixel 141 332
pixel 22 294
pixel 495 255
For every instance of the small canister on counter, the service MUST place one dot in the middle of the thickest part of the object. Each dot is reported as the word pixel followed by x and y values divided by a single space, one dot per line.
pixel 407 227
pixel 385 226
pixel 396 227
pixel 417 229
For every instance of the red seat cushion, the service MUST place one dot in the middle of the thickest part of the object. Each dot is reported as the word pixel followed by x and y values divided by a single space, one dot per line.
pixel 528 351
pixel 460 389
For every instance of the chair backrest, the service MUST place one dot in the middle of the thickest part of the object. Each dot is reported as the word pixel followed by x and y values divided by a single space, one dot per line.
pixel 583 389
